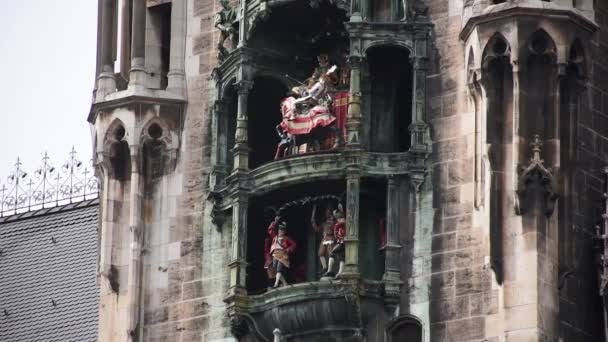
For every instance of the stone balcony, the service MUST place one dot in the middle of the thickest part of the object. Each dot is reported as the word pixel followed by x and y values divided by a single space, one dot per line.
pixel 327 165
pixel 310 311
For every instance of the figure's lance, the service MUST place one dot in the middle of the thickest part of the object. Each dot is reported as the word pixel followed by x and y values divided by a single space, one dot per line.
pixel 294 79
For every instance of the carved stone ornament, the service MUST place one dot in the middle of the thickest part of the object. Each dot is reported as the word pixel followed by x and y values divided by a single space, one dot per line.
pixel 238 326
pixel 536 171
pixel 218 218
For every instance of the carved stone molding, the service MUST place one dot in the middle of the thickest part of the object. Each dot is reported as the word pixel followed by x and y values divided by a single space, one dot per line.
pixel 536 171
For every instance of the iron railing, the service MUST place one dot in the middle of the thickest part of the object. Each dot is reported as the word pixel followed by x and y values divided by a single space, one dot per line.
pixel 48 186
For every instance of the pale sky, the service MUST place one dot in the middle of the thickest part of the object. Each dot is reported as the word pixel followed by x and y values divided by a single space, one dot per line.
pixel 47 61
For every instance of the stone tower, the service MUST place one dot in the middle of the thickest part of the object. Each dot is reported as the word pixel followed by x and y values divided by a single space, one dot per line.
pixel 448 169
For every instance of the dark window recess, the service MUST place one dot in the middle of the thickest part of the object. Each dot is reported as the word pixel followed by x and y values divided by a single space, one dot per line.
pixel 304 262
pixel 408 330
pixel 154 155
pixel 264 113
pixel 390 78
pixel 120 157
pixel 227 122
pixel 500 110
pixel 159 42
pixel 371 226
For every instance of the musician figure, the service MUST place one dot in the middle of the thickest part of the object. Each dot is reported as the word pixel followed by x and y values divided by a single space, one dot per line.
pixel 337 251
pixel 328 238
pixel 280 249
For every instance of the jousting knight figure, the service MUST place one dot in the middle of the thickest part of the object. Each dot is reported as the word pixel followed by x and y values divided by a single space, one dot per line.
pixel 280 249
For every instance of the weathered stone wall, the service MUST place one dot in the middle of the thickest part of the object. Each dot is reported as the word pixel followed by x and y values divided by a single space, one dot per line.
pixel 468 300
pixel 463 302
pixel 198 278
pixel 580 311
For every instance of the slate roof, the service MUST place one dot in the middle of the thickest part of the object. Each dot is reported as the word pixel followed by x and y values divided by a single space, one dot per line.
pixel 48 286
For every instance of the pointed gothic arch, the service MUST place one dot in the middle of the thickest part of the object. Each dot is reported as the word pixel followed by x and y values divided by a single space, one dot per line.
pixel 497 80
pixel 117 149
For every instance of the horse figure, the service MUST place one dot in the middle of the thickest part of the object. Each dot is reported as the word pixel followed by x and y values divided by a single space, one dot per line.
pixel 307 118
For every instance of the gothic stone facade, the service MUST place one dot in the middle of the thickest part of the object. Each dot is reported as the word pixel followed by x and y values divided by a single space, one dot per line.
pixel 474 133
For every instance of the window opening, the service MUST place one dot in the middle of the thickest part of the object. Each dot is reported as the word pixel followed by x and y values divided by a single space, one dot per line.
pixel 390 78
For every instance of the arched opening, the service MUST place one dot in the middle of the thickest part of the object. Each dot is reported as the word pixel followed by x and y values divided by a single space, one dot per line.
pixel 539 82
pixel 155 158
pixel 571 92
pixel 498 74
pixel 296 33
pixel 264 114
pixel 294 205
pixel 389 115
pixel 298 44
pixel 120 155
pixel 310 210
pixel 405 329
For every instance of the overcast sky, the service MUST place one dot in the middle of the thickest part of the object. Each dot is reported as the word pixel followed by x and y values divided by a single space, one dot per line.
pixel 47 61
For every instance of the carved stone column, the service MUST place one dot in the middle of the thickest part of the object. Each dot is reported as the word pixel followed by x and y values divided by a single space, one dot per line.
pixel 241 148
pixel 356 7
pixel 219 131
pixel 353 120
pixel 177 76
pixel 353 180
pixel 392 266
pixel 137 74
pixel 243 23
pixel 125 39
pixel 516 139
pixel 238 263
pixel 418 127
pixel 136 238
pixel 106 82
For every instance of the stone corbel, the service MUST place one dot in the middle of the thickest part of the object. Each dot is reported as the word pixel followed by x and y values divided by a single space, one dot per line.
pixel 416 181
pixel 536 171
pixel 218 217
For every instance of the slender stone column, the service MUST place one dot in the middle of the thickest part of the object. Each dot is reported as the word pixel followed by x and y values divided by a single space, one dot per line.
pixel 418 126
pixel 516 138
pixel 136 238
pixel 177 76
pixel 241 148
pixel 353 180
pixel 353 121
pixel 106 83
pixel 238 263
pixel 392 267
pixel 138 44
pixel 243 23
pixel 219 128
pixel 125 39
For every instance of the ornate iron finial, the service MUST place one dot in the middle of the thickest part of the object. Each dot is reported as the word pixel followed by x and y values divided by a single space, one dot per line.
pixel 47 186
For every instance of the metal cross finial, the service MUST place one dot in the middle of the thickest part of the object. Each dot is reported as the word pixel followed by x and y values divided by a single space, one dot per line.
pixel 47 186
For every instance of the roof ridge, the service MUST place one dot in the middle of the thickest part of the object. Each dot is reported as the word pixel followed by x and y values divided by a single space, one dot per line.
pixel 48 211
